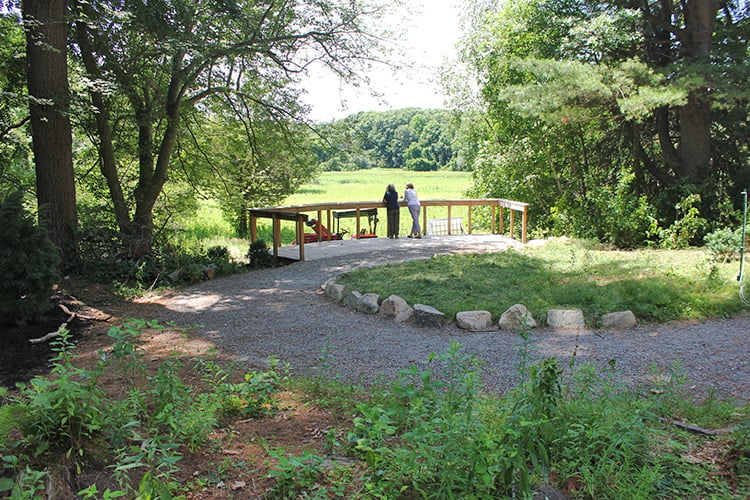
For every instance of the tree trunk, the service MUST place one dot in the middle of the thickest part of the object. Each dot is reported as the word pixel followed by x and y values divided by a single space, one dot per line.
pixel 153 174
pixel 695 139
pixel 695 116
pixel 47 74
pixel 108 162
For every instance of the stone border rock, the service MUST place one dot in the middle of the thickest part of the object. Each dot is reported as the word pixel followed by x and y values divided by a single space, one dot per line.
pixel 516 318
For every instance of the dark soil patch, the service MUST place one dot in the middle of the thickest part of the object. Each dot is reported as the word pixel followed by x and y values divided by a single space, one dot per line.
pixel 21 360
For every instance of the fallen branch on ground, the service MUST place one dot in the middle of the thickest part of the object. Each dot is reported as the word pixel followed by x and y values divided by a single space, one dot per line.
pixel 690 428
pixel 71 316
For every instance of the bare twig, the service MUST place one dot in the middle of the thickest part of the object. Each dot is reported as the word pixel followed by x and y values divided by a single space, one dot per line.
pixel 691 428
pixel 71 316
pixel 50 335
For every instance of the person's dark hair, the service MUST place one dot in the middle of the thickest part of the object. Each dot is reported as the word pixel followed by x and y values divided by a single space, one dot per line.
pixel 409 185
pixel 391 188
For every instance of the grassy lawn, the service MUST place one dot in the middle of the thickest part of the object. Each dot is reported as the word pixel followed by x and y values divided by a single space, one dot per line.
pixel 657 285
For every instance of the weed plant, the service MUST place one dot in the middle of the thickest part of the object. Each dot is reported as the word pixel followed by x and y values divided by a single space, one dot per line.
pixel 657 285
pixel 66 418
pixel 432 433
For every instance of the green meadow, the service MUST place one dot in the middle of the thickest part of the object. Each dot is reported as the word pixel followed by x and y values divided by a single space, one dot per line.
pixel 369 185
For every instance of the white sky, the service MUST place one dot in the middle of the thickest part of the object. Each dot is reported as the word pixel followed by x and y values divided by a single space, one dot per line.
pixel 430 34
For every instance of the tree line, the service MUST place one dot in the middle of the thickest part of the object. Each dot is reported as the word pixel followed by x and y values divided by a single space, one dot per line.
pixel 411 138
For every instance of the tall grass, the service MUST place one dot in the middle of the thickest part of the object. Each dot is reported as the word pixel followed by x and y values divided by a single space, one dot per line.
pixel 657 285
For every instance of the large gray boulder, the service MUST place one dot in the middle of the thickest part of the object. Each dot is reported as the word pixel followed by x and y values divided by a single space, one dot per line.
pixel 352 298
pixel 396 308
pixel 619 320
pixel 516 318
pixel 369 303
pixel 474 321
pixel 335 292
pixel 566 319
pixel 427 316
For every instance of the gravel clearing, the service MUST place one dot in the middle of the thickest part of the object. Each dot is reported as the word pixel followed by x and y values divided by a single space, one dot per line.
pixel 282 312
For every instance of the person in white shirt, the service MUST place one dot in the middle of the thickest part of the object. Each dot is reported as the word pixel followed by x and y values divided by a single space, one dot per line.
pixel 412 202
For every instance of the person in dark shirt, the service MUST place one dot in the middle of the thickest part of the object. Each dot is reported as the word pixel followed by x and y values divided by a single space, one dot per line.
pixel 390 199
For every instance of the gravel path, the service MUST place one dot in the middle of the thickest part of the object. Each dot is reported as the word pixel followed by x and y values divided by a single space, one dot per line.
pixel 283 313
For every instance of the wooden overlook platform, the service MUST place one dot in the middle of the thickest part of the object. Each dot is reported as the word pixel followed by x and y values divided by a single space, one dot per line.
pixel 328 212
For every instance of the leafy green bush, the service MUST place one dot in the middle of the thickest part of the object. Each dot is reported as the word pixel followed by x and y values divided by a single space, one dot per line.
pixel 427 436
pixel 295 475
pixel 64 410
pixel 421 165
pixel 688 226
pixel 627 221
pixel 102 260
pixel 433 434
pixel 28 263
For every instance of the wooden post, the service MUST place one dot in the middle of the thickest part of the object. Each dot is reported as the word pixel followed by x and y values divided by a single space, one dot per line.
pixel 357 223
pixel 469 220
pixel 512 226
pixel 300 225
pixel 424 220
pixel 523 229
pixel 320 228
pixel 329 226
pixel 253 228
pixel 449 220
pixel 494 217
pixel 502 219
pixel 276 228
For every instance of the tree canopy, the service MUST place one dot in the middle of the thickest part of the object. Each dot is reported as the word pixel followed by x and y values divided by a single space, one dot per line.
pixel 148 65
pixel 590 102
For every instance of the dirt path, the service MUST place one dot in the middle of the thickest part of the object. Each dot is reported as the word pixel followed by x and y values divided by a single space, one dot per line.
pixel 282 313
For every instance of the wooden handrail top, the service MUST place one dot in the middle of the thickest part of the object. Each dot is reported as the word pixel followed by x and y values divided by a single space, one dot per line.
pixel 270 214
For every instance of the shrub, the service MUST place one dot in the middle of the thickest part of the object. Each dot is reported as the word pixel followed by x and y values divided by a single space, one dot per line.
pixel 28 263
pixel 103 260
pixel 66 409
pixel 421 165
pixel 723 244
pixel 259 256
pixel 627 220
pixel 687 227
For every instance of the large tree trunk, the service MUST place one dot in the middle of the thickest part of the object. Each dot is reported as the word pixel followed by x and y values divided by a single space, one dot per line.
pixel 684 133
pixel 152 174
pixel 47 72
pixel 695 116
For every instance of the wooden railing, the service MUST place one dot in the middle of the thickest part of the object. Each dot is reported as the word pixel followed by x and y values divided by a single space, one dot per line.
pixel 299 215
